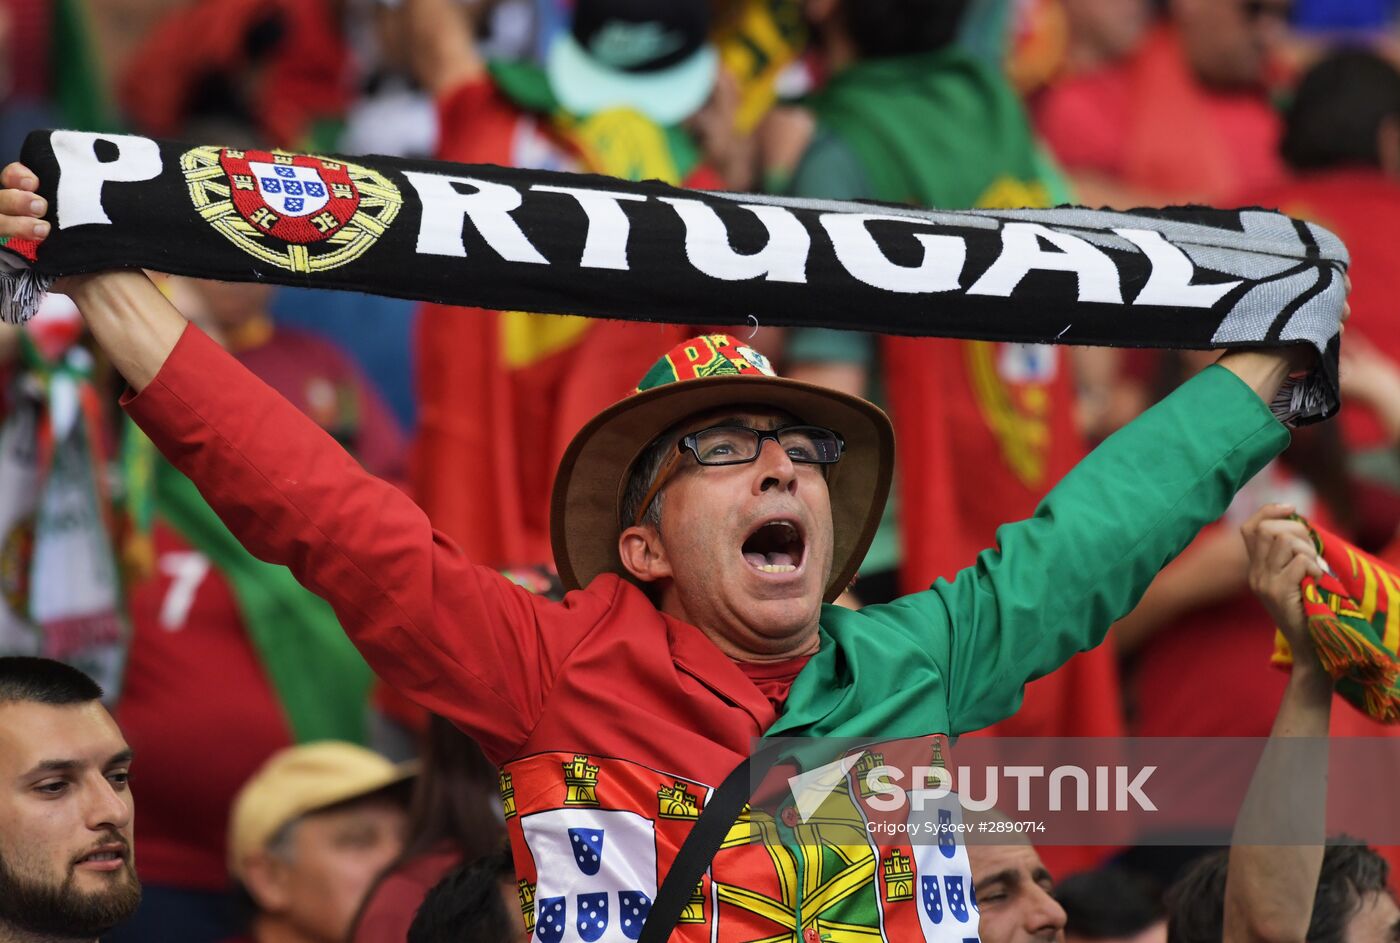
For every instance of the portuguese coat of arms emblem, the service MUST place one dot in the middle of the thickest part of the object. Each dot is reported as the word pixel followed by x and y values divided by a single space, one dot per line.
pixel 300 213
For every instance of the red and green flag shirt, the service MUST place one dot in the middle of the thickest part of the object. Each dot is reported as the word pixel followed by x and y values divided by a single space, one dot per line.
pixel 632 714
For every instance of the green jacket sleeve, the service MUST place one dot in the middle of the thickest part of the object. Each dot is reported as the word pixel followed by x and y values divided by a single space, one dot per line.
pixel 1062 577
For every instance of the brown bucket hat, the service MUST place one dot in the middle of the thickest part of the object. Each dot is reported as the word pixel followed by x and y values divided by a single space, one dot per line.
pixel 697 376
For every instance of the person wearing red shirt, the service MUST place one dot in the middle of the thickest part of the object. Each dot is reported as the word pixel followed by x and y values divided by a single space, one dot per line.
pixel 1183 119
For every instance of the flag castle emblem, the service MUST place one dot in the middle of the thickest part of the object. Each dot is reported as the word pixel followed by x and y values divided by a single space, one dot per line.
pixel 677 802
pixel 527 905
pixel 899 877
pixel 580 782
pixel 507 787
pixel 870 761
pixel 297 212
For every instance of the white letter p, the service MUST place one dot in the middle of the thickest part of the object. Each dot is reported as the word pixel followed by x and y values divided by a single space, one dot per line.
pixel 82 175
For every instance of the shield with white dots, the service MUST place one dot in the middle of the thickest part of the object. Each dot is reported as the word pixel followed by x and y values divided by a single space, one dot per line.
pixel 947 906
pixel 290 190
pixel 597 870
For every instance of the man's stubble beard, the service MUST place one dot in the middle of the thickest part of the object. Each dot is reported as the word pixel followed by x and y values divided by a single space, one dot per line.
pixel 62 911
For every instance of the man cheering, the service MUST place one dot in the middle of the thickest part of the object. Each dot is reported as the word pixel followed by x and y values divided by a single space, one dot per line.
pixel 702 522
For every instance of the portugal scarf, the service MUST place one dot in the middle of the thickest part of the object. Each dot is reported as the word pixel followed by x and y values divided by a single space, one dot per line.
pixel 1353 616
pixel 578 244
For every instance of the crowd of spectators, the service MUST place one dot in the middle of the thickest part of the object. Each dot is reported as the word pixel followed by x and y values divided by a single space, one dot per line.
pixel 263 816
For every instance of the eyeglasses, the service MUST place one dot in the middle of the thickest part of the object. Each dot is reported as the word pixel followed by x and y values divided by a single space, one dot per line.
pixel 740 445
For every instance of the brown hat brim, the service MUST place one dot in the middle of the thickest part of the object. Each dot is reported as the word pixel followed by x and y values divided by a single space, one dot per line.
pixel 592 477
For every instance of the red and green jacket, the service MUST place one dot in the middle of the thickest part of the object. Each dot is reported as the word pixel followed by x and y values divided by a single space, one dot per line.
pixel 612 721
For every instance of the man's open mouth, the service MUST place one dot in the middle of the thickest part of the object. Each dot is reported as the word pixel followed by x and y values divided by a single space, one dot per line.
pixel 775 546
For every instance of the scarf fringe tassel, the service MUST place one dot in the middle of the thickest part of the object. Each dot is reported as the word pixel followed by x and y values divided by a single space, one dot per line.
pixel 21 289
pixel 1346 654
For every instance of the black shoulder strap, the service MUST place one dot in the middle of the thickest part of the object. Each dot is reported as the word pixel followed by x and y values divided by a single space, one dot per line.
pixel 702 844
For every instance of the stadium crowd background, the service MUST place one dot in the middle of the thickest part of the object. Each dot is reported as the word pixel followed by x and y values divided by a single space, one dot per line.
pixel 1131 102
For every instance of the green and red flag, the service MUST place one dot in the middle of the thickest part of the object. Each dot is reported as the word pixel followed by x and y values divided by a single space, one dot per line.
pixel 321 681
pixel 1353 614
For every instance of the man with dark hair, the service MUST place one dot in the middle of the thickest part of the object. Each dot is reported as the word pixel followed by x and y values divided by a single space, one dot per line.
pixel 1345 113
pixel 1349 904
pixel 1015 894
pixel 1112 904
pixel 67 869
pixel 474 901
pixel 880 28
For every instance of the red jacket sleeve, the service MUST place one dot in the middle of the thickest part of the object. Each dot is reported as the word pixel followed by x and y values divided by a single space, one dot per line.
pixel 458 639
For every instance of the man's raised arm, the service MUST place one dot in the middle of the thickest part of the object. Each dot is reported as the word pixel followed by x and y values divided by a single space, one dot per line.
pixel 459 639
pixel 1058 580
pixel 1264 371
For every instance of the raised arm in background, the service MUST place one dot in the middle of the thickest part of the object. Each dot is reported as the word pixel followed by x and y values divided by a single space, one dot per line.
pixel 442 35
pixel 458 638
pixel 1269 889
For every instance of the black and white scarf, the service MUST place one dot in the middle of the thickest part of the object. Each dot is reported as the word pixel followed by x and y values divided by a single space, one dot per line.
pixel 561 243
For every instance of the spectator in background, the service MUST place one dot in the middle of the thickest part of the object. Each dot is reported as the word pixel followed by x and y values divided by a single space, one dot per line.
pixel 1336 137
pixel 1112 904
pixel 1291 888
pixel 1371 380
pixel 1102 32
pixel 376 331
pixel 311 372
pixel 1351 902
pixel 1015 894
pixel 67 868
pixel 907 117
pixel 616 95
pixel 1342 141
pixel 454 820
pixel 474 902
pixel 226 647
pixel 279 65
pixel 1183 119
pixel 62 594
pixel 307 835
